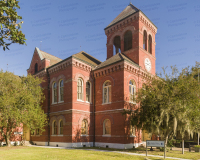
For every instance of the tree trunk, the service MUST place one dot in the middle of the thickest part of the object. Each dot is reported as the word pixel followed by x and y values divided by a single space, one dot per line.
pixel 182 146
pixel 166 139
pixel 198 139
pixel 7 139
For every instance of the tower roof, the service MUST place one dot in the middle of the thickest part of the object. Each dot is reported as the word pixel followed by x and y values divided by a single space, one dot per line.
pixel 115 59
pixel 129 10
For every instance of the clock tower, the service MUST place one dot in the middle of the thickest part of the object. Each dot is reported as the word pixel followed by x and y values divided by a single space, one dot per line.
pixel 133 34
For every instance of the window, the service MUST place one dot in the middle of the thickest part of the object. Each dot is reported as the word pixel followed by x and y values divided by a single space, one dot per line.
pixel 33 133
pixel 107 92
pixel 61 87
pixel 54 97
pixel 54 128
pixel 61 127
pixel 150 44
pixel 84 127
pixel 145 40
pixel 127 40
pixel 107 127
pixel 80 89
pixel 131 90
pixel 88 92
pixel 132 130
pixel 37 131
pixel 36 67
pixel 116 45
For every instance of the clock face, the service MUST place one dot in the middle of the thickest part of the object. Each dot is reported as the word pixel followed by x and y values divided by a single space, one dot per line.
pixel 147 64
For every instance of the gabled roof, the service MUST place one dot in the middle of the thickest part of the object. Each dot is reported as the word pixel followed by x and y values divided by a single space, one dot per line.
pixel 115 59
pixel 43 55
pixel 129 10
pixel 86 58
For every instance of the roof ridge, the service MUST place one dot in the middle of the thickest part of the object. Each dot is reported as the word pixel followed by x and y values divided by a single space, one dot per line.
pixel 91 56
pixel 50 54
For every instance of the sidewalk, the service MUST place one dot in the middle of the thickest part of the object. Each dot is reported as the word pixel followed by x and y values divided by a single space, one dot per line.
pixel 136 154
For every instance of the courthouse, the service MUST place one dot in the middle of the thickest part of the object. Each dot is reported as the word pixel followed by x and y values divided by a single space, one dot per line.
pixel 85 98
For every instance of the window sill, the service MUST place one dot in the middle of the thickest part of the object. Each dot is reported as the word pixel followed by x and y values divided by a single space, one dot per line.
pixel 132 102
pixel 106 135
pixel 37 135
pixel 60 135
pixel 132 136
pixel 84 135
pixel 54 103
pixel 54 135
pixel 88 102
pixel 79 100
pixel 106 103
pixel 61 102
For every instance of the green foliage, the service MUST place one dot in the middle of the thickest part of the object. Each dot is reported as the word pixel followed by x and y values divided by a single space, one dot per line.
pixel 20 103
pixel 10 24
pixel 169 103
pixel 197 146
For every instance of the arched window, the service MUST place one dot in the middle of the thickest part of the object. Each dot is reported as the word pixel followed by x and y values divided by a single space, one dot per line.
pixel 116 45
pixel 61 91
pixel 54 131
pixel 54 93
pixel 84 127
pixel 132 89
pixel 145 40
pixel 107 127
pixel 107 92
pixel 61 127
pixel 150 44
pixel 127 40
pixel 80 89
pixel 132 130
pixel 88 92
pixel 36 68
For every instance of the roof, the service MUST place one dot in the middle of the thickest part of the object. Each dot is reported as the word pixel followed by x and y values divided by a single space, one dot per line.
pixel 129 10
pixel 84 57
pixel 43 55
pixel 114 59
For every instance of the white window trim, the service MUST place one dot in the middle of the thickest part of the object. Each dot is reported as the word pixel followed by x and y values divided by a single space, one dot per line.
pixel 53 93
pixel 131 94
pixel 59 101
pixel 108 88
pixel 106 135
pixel 86 128
pixel 81 100
pixel 53 133
pixel 131 135
pixel 90 93
pixel 59 127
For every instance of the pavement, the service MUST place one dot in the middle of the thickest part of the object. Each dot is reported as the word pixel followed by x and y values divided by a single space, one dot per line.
pixel 128 153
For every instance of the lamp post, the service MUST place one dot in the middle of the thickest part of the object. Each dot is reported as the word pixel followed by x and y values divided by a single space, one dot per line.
pixel 198 132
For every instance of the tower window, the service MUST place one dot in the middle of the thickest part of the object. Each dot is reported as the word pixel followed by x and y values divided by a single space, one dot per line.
pixel 145 40
pixel 116 45
pixel 107 92
pixel 150 44
pixel 127 40
pixel 36 68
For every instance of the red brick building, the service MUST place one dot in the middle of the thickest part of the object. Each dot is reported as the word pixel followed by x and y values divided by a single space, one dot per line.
pixel 85 97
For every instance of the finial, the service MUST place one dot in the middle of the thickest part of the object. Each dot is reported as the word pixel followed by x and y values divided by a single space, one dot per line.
pixel 130 2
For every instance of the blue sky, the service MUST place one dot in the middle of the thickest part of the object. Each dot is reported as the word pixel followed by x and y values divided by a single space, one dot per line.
pixel 64 27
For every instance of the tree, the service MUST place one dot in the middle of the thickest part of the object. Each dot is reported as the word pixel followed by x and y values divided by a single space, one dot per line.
pixel 168 104
pixel 10 24
pixel 20 103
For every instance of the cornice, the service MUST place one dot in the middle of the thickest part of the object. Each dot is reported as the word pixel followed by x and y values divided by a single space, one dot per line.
pixel 147 22
pixel 81 65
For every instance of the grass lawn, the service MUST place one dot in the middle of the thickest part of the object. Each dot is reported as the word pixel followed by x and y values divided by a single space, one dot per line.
pixel 36 153
pixel 169 153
